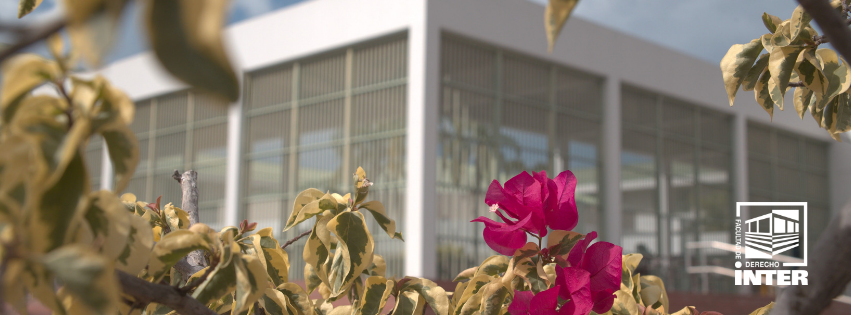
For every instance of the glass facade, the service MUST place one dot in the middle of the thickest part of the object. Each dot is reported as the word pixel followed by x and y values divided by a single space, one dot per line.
pixel 502 113
pixel 310 123
pixel 675 170
pixel 785 167
pixel 180 131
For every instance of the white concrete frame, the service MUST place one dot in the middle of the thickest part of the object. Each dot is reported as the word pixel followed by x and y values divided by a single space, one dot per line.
pixel 319 25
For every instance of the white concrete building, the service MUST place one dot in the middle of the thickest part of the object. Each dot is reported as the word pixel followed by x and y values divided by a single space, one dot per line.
pixel 436 98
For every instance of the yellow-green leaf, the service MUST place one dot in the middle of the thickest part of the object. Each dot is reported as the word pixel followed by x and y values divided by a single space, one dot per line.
pixel 177 218
pixel 662 300
pixel 556 14
pixel 186 37
pixel 736 64
pixel 86 275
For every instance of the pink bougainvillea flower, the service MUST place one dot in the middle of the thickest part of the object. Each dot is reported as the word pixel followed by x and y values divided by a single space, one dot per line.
pixel 543 303
pixel 504 238
pixel 575 288
pixel 602 261
pixel 543 201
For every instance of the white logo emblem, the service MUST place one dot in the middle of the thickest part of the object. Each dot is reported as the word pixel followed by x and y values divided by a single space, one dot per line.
pixel 771 235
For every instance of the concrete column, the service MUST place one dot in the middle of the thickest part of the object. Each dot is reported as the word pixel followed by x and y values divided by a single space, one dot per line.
pixel 420 188
pixel 233 167
pixel 611 159
pixel 838 174
pixel 739 177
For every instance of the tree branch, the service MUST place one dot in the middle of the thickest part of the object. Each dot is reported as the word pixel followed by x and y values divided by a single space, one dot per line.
pixel 144 292
pixel 294 239
pixel 825 280
pixel 195 261
pixel 832 24
pixel 35 37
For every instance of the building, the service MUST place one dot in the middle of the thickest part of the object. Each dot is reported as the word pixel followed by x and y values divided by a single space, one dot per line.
pixel 437 98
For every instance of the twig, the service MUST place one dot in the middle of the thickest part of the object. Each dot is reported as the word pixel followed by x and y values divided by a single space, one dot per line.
pixel 796 84
pixel 195 261
pixel 39 35
pixel 176 176
pixel 832 24
pixel 144 292
pixel 294 239
pixel 195 283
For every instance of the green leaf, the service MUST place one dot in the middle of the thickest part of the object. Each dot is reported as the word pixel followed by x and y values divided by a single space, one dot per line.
pixel 86 275
pixel 380 215
pixel 376 292
pixel 799 20
pixel 762 93
pixel 21 74
pixel 186 37
pixel 433 294
pixel 27 6
pixel 770 22
pixel 556 14
pixel 171 248
pixel 305 199
pixel 736 64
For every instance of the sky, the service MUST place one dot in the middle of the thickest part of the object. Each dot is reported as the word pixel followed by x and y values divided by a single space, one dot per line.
pixel 700 28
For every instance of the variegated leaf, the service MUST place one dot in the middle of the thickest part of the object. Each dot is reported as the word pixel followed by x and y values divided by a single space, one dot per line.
pixel 770 22
pixel 565 240
pixel 86 275
pixel 736 63
pixel 801 99
pixel 380 215
pixel 109 222
pixel 467 274
pixel 493 266
pixel 57 208
pixel 378 266
pixel 362 185
pixel 753 74
pixel 624 304
pixel 140 243
pixel 176 218
pixel 433 294
pixel 762 93
pixel 409 303
pixel 494 296
pixel 21 74
pixel 765 310
pixel 470 289
pixel 629 263
pixel 662 301
pixel 376 292
pixel 304 198
pixel 782 37
pixel 251 282
pixel 274 302
pixel 222 280
pixel 171 248
pixel 811 75
pixel 297 297
pixel 799 20
pixel 27 6
pixel 354 250
pixel 781 64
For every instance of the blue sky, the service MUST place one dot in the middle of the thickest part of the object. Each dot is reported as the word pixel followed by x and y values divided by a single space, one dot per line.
pixel 703 29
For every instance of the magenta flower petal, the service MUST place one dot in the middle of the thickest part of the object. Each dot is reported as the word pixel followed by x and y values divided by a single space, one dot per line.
pixel 578 251
pixel 504 238
pixel 545 302
pixel 496 195
pixel 520 303
pixel 525 189
pixel 603 261
pixel 563 216
pixel 603 301
pixel 574 282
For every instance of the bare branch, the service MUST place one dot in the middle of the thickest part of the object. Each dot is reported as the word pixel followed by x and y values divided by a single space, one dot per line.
pixel 832 24
pixel 195 261
pixel 36 36
pixel 294 239
pixel 144 292
pixel 825 280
